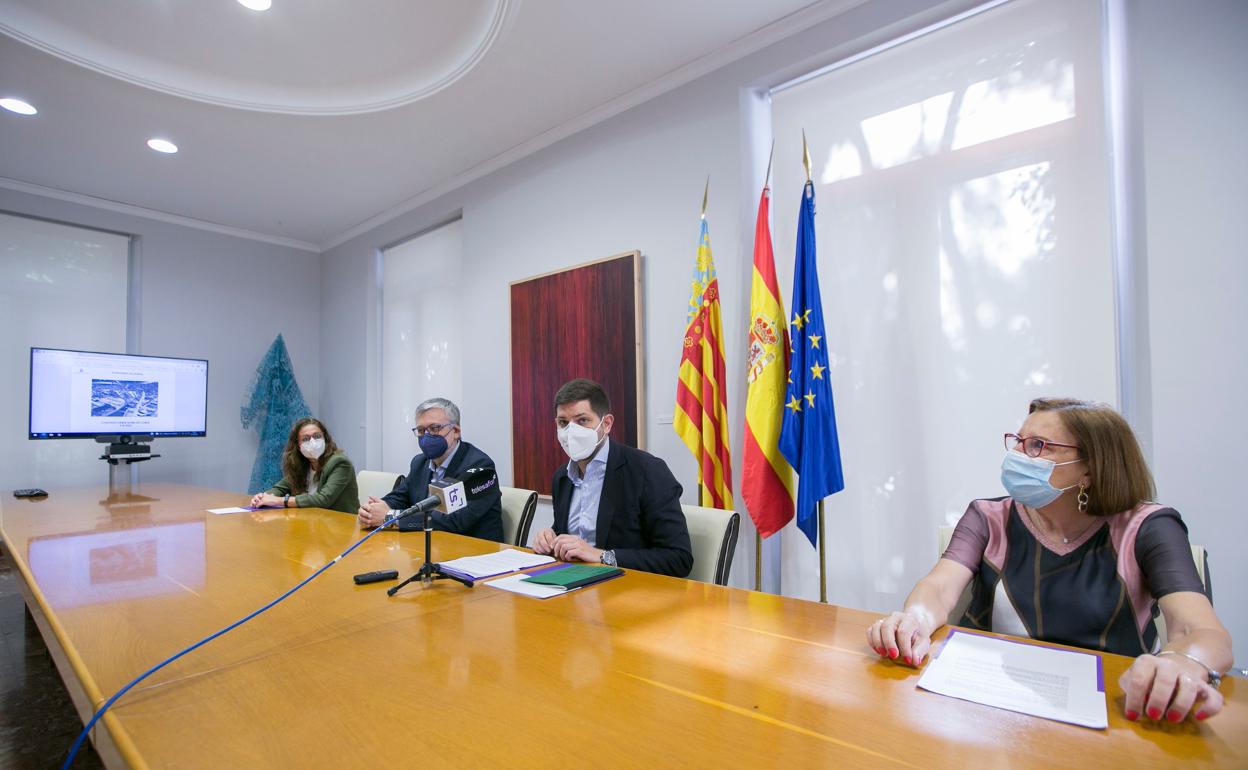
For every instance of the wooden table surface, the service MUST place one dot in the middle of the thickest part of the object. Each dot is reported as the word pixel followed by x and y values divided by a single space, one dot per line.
pixel 643 671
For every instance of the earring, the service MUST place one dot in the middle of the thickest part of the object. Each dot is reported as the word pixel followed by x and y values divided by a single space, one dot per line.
pixel 1083 499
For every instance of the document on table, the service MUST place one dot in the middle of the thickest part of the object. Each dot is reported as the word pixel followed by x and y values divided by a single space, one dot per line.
pixel 499 563
pixel 517 584
pixel 1062 685
pixel 220 511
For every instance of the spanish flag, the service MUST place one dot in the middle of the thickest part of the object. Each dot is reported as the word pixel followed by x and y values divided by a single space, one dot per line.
pixel 767 482
pixel 701 416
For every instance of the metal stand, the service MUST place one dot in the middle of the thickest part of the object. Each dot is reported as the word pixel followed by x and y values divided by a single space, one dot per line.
pixel 823 561
pixel 429 571
pixel 121 455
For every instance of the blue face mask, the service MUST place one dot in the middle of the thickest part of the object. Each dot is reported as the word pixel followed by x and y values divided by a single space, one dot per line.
pixel 433 445
pixel 1026 479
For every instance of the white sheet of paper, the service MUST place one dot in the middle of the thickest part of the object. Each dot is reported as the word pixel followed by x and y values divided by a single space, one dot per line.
pixel 1062 685
pixel 516 584
pixel 497 563
pixel 220 511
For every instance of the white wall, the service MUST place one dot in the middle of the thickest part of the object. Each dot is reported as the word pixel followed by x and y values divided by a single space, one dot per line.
pixel 207 295
pixel 634 182
pixel 1190 70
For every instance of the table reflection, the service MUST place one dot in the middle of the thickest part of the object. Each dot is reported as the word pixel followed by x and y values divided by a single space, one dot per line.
pixel 116 565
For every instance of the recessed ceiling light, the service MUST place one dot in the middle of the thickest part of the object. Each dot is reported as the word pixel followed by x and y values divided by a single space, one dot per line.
pixel 18 106
pixel 162 145
pixel 256 5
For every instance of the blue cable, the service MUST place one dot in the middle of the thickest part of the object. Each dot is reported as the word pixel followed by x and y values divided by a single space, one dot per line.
pixel 73 752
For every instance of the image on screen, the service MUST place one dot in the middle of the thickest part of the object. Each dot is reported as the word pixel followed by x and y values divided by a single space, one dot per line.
pixel 79 394
pixel 124 398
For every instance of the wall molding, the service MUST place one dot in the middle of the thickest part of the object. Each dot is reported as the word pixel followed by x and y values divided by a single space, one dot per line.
pixel 160 216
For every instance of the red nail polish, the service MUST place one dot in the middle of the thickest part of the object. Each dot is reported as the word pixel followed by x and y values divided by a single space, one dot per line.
pixel 907 658
pixel 892 654
pixel 1154 713
pixel 1202 716
pixel 1134 715
pixel 1174 716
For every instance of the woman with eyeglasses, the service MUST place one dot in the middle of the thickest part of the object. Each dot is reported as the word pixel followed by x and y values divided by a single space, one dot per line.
pixel 315 473
pixel 1077 554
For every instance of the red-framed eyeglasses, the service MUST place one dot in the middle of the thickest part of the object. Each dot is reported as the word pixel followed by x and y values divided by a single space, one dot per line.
pixel 1033 446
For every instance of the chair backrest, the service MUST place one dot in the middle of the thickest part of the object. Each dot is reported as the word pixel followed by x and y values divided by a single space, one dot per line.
pixel 713 535
pixel 1199 555
pixel 376 483
pixel 519 505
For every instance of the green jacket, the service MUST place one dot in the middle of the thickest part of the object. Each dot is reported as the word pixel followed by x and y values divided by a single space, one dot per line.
pixel 337 490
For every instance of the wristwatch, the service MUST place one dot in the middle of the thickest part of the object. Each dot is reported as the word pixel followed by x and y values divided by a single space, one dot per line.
pixel 608 558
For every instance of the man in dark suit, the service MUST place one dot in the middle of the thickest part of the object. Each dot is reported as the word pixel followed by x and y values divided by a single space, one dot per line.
pixel 614 504
pixel 442 454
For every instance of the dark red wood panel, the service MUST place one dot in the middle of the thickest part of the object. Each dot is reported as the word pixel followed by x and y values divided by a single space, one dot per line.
pixel 581 322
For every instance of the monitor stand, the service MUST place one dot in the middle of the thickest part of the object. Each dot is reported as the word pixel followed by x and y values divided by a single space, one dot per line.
pixel 121 454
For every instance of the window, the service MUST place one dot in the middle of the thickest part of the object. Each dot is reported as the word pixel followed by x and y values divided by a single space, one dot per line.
pixel 963 230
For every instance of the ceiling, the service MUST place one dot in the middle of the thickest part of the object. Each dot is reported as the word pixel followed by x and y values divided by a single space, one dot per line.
pixel 311 122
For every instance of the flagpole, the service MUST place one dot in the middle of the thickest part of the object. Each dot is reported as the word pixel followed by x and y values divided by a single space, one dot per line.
pixel 758 536
pixel 706 191
pixel 823 563
pixel 758 560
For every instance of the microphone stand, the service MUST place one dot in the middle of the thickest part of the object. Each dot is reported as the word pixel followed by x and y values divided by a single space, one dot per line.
pixel 429 571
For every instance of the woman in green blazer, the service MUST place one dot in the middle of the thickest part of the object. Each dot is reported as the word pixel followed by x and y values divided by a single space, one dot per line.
pixel 315 473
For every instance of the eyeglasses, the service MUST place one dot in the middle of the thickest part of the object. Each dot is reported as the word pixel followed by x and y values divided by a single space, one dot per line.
pixel 313 437
pixel 1032 445
pixel 435 428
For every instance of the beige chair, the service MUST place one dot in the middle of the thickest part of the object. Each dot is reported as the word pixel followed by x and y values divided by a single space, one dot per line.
pixel 519 505
pixel 376 483
pixel 1199 555
pixel 713 535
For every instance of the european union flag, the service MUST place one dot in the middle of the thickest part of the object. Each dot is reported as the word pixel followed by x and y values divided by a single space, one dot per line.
pixel 808 435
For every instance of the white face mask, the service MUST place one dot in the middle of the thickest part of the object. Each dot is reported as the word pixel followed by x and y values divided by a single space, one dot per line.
pixel 312 448
pixel 578 441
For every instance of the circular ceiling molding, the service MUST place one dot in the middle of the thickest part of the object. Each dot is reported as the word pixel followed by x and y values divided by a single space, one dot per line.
pixel 297 58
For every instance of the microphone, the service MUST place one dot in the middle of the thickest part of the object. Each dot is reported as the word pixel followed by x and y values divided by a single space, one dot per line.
pixel 452 494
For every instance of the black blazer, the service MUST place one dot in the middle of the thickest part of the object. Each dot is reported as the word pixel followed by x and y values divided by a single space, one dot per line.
pixel 639 514
pixel 481 518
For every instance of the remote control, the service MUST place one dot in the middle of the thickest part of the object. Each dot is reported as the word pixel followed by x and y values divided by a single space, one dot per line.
pixel 375 577
pixel 34 492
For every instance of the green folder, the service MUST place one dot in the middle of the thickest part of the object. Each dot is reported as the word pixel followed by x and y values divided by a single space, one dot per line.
pixel 575 576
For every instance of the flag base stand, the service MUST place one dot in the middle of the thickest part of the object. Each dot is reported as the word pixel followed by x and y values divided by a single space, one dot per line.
pixel 823 563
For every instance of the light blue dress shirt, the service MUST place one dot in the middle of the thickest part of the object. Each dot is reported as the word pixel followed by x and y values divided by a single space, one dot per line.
pixel 586 494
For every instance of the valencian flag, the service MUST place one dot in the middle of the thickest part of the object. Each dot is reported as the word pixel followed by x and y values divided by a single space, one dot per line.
pixel 767 481
pixel 701 416
pixel 808 436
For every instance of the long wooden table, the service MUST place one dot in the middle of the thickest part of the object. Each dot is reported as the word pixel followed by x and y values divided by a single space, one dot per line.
pixel 643 671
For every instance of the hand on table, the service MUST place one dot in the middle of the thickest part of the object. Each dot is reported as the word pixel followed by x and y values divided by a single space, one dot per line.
pixel 573 548
pixel 902 636
pixel 265 500
pixel 373 512
pixel 565 547
pixel 1168 687
pixel 544 542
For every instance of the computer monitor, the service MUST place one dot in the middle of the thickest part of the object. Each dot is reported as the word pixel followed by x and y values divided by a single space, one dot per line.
pixel 116 397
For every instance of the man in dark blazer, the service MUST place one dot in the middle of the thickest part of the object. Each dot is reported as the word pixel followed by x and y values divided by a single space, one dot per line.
pixel 442 454
pixel 614 504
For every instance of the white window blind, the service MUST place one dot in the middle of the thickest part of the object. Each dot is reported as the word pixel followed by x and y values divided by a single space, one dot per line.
pixel 962 221
pixel 421 354
pixel 60 287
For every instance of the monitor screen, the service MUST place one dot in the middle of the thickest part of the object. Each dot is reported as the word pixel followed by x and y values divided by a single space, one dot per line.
pixel 75 394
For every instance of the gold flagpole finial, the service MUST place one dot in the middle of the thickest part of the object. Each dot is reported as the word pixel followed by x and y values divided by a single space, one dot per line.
pixel 770 158
pixel 705 192
pixel 805 155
